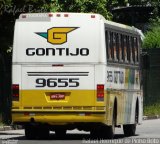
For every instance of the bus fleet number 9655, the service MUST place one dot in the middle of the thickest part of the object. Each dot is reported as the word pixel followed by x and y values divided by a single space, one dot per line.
pixel 57 82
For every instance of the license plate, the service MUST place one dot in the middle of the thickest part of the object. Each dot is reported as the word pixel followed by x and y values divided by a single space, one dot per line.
pixel 57 96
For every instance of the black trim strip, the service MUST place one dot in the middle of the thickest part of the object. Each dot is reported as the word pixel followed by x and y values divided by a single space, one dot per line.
pixel 57 73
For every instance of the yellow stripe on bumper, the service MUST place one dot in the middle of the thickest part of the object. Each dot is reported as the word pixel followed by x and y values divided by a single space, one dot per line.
pixel 58 117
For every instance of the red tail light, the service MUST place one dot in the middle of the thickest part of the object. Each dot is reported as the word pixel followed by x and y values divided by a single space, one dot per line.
pixel 100 92
pixel 15 92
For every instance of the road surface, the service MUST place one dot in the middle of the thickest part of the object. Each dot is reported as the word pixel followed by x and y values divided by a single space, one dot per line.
pixel 148 132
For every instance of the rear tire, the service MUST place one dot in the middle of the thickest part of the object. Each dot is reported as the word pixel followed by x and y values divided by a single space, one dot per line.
pixel 103 132
pixel 96 133
pixel 60 133
pixel 30 132
pixel 129 130
pixel 43 132
pixel 108 132
pixel 36 132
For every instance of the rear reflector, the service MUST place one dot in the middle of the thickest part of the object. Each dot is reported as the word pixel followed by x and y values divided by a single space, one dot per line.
pixel 15 92
pixel 100 92
pixel 100 95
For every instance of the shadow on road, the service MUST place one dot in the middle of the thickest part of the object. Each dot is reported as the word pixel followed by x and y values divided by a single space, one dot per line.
pixel 70 137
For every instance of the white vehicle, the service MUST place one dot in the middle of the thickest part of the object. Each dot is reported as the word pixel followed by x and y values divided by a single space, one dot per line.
pixel 75 70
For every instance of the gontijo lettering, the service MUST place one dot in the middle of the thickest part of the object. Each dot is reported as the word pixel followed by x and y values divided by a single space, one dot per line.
pixel 57 52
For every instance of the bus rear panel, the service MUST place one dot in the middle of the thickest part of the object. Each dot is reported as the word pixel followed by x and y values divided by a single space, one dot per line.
pixel 55 68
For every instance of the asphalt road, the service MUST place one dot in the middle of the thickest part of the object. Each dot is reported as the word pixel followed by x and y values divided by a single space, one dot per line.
pixel 148 132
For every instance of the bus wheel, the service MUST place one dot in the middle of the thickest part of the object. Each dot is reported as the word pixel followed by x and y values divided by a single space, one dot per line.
pixel 36 132
pixel 129 130
pixel 96 133
pixel 60 133
pixel 42 132
pixel 30 132
pixel 109 131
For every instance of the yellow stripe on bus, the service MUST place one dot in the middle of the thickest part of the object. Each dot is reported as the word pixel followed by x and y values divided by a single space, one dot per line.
pixel 41 98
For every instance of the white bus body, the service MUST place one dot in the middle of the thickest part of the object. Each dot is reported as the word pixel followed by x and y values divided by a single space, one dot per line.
pixel 61 76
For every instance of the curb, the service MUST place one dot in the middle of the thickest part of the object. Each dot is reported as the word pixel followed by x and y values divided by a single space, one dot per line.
pixel 5 128
pixel 151 117
pixel 10 127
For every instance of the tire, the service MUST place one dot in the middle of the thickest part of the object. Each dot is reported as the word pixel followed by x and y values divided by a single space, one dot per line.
pixel 30 132
pixel 96 133
pixel 103 132
pixel 43 132
pixel 60 133
pixel 36 132
pixel 108 132
pixel 129 130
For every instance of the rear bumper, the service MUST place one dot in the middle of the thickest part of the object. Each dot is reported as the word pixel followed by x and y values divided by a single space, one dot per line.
pixel 58 117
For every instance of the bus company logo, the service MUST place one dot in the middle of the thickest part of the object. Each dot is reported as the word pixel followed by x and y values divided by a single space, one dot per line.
pixel 57 35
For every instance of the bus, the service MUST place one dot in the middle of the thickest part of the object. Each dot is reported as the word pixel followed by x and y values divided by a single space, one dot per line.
pixel 75 71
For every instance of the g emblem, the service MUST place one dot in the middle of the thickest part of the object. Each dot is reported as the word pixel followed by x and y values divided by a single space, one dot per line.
pixel 56 35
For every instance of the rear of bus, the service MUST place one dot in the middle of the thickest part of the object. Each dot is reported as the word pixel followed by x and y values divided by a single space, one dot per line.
pixel 58 72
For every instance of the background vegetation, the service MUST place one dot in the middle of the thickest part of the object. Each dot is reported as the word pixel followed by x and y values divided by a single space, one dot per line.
pixel 152 36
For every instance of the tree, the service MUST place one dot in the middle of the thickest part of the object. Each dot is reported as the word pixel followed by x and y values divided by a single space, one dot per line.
pixel 152 36
pixel 88 6
pixel 153 3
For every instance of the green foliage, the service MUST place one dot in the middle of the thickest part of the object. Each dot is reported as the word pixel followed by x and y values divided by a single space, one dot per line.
pixel 152 110
pixel 152 37
pixel 86 6
pixel 6 31
pixel 138 2
pixel 154 3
